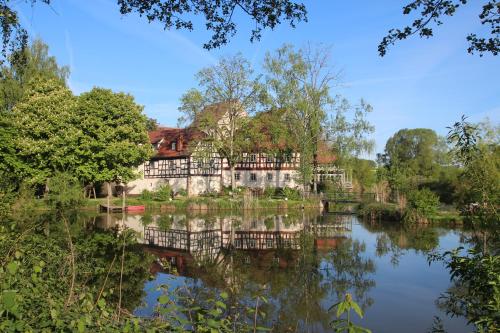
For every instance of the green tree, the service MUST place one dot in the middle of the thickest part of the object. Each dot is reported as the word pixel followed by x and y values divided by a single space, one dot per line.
pixel 46 133
pixel 114 137
pixel 218 17
pixel 229 92
pixel 432 13
pixel 413 158
pixel 15 76
pixel 299 82
pixel 152 124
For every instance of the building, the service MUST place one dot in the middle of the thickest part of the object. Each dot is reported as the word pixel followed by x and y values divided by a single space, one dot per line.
pixel 183 161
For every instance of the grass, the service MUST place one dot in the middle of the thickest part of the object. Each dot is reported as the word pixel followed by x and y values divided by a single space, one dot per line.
pixel 207 203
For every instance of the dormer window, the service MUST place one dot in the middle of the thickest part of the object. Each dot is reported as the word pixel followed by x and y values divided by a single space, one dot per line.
pixel 174 145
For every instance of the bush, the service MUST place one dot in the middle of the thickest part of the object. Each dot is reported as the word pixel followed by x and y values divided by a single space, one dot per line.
pixel 146 195
pixel 291 193
pixel 163 193
pixel 424 201
pixel 270 192
pixel 182 192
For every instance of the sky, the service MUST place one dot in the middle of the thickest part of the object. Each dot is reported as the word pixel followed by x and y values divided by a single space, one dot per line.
pixel 419 83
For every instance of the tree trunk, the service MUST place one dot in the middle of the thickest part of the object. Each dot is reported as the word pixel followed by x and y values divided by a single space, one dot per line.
pixel 188 186
pixel 233 181
pixel 123 197
pixel 108 185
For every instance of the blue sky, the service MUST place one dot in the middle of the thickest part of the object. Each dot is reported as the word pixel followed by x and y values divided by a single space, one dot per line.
pixel 419 83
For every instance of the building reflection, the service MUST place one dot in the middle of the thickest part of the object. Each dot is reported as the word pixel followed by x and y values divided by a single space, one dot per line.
pixel 188 242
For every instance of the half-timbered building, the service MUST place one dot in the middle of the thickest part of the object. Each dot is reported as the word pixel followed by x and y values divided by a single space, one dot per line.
pixel 183 160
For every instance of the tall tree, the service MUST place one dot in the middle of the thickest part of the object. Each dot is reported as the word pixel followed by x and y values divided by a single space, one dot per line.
pixel 15 76
pixel 432 13
pixel 46 131
pixel 229 91
pixel 299 81
pixel 114 137
pixel 349 130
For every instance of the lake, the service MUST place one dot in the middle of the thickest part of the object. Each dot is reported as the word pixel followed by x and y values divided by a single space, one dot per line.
pixel 301 263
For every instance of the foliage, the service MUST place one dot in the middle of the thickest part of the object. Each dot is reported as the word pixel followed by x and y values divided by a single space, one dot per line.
pixel 364 173
pixel 146 195
pixel 182 192
pixel 35 275
pixel 349 137
pixel 412 158
pixel 218 16
pixel 479 191
pixel 380 211
pixel 298 81
pixel 65 193
pixel 229 91
pixel 421 205
pixel 151 124
pixel 46 129
pixel 432 12
pixel 476 294
pixel 31 63
pixel 162 193
pixel 346 325
pixel 11 167
pixel 114 138
pixel 291 193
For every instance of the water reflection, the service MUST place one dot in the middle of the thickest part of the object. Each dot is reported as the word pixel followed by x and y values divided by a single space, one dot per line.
pixel 302 262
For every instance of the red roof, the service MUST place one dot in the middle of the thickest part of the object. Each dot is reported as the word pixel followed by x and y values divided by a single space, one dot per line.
pixel 182 137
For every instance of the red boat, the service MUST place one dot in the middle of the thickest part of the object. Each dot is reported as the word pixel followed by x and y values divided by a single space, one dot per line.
pixel 140 208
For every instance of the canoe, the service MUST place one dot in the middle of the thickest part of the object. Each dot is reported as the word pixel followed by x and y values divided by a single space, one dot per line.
pixel 140 208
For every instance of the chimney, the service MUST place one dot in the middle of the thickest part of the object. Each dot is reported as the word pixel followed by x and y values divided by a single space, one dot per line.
pixel 180 142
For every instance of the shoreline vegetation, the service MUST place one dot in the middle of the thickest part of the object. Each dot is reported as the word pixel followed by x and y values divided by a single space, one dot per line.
pixel 374 211
pixel 391 212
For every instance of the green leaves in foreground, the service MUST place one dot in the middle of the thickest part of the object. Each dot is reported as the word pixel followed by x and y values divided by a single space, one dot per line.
pixel 345 324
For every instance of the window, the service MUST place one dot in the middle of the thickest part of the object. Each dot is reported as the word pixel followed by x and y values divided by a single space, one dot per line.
pixel 269 158
pixel 269 177
pixel 174 145
pixel 253 177
pixel 171 165
pixel 237 176
pixel 253 157
pixel 287 177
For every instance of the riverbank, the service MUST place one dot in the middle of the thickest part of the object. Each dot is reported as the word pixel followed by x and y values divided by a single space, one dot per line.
pixel 208 204
pixel 391 212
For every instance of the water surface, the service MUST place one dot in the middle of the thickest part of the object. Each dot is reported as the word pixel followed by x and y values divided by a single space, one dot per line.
pixel 303 263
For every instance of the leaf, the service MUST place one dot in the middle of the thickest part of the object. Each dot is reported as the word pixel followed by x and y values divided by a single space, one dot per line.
pixel 9 299
pixel 163 299
pixel 356 308
pixel 224 295
pixel 12 267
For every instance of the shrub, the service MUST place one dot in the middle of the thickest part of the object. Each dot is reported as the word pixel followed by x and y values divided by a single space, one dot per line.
pixel 163 193
pixel 269 192
pixel 182 192
pixel 421 205
pixel 146 195
pixel 424 201
pixel 291 193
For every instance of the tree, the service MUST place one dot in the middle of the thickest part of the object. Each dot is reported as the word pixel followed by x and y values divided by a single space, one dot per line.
pixel 114 137
pixel 229 92
pixel 350 138
pixel 16 75
pixel 174 14
pixel 415 149
pixel 299 81
pixel 218 15
pixel 432 12
pixel 152 124
pixel 46 133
